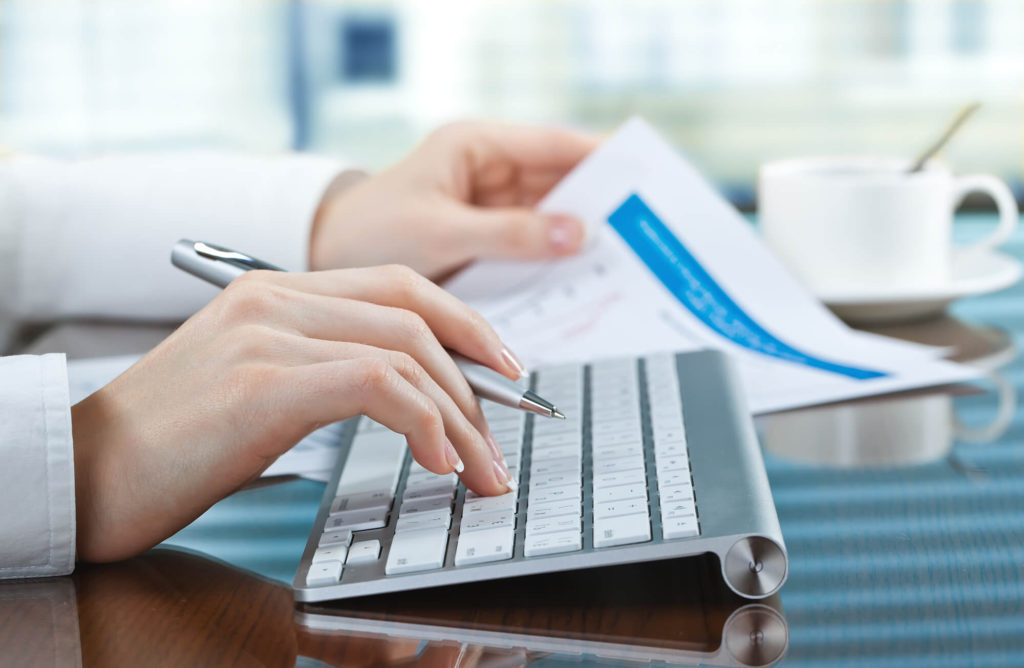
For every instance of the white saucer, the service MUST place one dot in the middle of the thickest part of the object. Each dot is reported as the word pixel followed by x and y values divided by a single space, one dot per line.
pixel 974 273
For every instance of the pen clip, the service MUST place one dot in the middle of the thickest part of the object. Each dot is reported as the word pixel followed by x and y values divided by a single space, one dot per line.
pixel 242 260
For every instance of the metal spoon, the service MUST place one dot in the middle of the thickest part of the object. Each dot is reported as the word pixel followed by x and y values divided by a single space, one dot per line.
pixel 962 116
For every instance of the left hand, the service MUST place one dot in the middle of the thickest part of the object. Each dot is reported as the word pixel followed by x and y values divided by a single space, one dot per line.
pixel 466 192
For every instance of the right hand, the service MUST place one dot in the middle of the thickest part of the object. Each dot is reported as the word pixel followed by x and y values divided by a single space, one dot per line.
pixel 272 358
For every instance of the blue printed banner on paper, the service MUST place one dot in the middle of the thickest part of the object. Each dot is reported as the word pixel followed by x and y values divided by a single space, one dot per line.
pixel 695 289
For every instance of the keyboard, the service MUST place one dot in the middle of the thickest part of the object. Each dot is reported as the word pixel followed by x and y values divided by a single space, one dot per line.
pixel 656 459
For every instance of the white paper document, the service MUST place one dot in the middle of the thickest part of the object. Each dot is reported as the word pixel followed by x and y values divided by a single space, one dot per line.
pixel 313 457
pixel 673 266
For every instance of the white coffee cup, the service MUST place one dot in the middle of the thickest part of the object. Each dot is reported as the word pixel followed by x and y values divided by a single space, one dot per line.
pixel 864 226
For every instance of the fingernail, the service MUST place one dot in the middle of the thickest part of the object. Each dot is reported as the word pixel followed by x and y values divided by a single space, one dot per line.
pixel 512 361
pixel 453 457
pixel 565 234
pixel 495 448
pixel 503 477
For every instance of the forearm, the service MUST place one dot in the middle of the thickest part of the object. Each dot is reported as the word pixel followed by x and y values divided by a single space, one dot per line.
pixel 94 236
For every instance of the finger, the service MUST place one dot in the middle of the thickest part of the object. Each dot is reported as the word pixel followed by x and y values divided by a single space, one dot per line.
pixel 527 146
pixel 523 188
pixel 517 233
pixel 391 328
pixel 326 392
pixel 455 324
pixel 468 441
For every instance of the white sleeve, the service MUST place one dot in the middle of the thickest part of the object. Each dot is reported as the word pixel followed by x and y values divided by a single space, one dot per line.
pixel 37 481
pixel 93 237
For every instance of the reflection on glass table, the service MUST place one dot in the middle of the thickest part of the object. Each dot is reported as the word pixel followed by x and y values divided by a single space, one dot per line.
pixel 907 428
pixel 173 607
pixel 677 611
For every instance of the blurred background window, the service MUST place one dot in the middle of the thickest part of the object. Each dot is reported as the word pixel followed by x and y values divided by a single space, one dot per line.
pixel 733 83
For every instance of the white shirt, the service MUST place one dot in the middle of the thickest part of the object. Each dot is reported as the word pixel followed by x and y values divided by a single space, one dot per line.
pixel 93 239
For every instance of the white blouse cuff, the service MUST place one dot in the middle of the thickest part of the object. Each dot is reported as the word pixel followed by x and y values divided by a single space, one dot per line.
pixel 37 479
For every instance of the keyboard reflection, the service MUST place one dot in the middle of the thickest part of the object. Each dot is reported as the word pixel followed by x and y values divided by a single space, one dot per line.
pixel 677 611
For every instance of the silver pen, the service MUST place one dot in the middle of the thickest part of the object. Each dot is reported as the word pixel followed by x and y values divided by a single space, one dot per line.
pixel 220 266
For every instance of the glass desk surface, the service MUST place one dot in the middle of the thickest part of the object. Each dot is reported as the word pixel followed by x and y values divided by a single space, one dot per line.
pixel 903 516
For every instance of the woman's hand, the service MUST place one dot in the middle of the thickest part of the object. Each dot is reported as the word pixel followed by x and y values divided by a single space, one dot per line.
pixel 466 192
pixel 272 358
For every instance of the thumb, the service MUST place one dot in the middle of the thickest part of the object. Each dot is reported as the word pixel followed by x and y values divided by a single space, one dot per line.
pixel 519 233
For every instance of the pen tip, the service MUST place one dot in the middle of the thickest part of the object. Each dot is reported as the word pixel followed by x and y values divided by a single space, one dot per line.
pixel 555 413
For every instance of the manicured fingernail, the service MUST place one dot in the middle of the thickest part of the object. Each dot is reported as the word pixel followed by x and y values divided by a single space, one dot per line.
pixel 565 234
pixel 503 477
pixel 495 448
pixel 513 362
pixel 453 457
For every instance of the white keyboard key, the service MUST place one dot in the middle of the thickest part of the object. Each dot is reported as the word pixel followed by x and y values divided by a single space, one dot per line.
pixel 630 411
pixel 564 465
pixel 675 493
pixel 478 547
pixel 342 537
pixel 564 493
pixel 439 519
pixel 620 508
pixel 615 478
pixel 413 551
pixel 570 424
pixel 537 545
pixel 482 521
pixel 509 441
pixel 666 418
pixel 555 509
pixel 378 499
pixel 358 520
pixel 611 396
pixel 671 434
pixel 673 479
pixel 488 504
pixel 431 481
pixel 605 438
pixel 426 505
pixel 557 439
pixel 679 508
pixel 364 552
pixel 620 493
pixel 557 452
pixel 670 463
pixel 330 553
pixel 427 491
pixel 635 448
pixel 622 530
pixel 630 425
pixel 553 480
pixel 553 525
pixel 670 448
pixel 374 462
pixel 323 573
pixel 628 463
pixel 683 526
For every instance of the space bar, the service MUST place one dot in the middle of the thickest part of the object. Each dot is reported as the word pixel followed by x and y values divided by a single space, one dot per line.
pixel 374 463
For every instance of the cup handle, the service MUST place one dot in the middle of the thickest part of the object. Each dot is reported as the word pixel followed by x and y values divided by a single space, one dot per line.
pixel 1005 412
pixel 1005 203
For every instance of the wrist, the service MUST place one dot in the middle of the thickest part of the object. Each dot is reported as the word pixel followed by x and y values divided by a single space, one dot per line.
pixel 338 187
